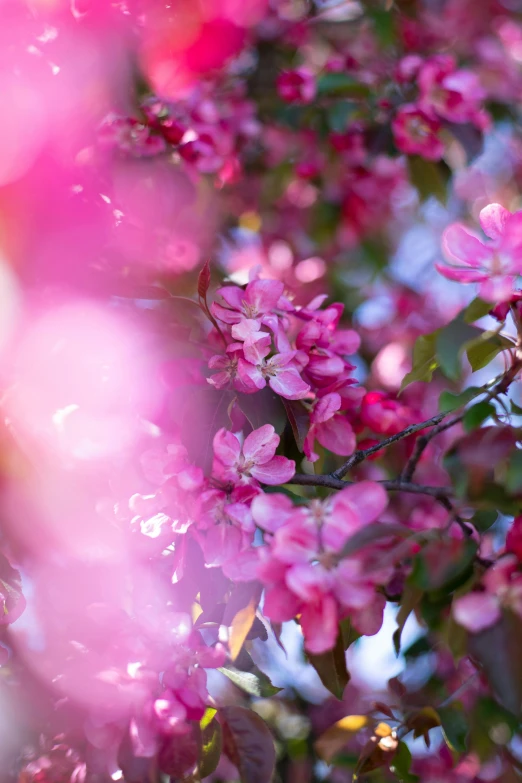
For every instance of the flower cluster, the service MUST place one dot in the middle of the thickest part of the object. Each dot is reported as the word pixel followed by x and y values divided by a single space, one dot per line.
pixel 447 94
pixel 268 344
pixel 303 568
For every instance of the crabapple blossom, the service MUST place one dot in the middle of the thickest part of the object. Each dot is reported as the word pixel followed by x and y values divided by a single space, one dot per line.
pixel 455 94
pixel 252 461
pixel 502 589
pixel 495 264
pixel 297 86
pixel 416 133
pixel 217 221
pixel 306 574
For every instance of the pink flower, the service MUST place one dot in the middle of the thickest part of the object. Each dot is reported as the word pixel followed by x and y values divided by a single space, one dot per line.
pixel 297 86
pixel 280 372
pixel 330 428
pixel 234 305
pixel 255 461
pixel 494 264
pixel 417 134
pixel 477 611
pixel 301 571
pixel 226 526
pixel 384 415
pixel 448 92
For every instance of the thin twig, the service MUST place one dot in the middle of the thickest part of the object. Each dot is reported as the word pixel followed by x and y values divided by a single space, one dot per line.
pixel 393 485
pixel 359 456
pixel 423 441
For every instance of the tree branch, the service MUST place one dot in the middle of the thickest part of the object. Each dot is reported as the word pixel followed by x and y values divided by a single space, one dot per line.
pixel 361 455
pixel 422 442
pixel 393 485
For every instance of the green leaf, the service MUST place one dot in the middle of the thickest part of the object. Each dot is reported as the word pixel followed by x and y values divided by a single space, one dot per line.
pixel 476 309
pixel 331 668
pixel 450 402
pixel 401 764
pixel 516 409
pixel 484 349
pixel 255 684
pixel 478 413
pixel 417 648
pixel 428 178
pixel 449 345
pixel 455 726
pixel 484 519
pixel 339 114
pixel 411 596
pixel 299 419
pixel 338 83
pixel 443 564
pixel 211 743
pixel 514 473
pixel 349 634
pixel 424 360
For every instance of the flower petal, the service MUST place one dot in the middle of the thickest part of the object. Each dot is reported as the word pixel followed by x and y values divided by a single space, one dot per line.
pixel 289 384
pixel 476 611
pixel 337 435
pixel 493 220
pixel 226 447
pixel 367 497
pixel 462 246
pixel 270 512
pixel 260 445
pixel 278 471
pixel 319 623
pixel 497 289
pixel 280 604
pixel 460 275
pixel 263 295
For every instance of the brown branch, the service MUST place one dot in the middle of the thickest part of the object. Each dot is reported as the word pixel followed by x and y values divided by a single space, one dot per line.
pixel 423 441
pixel 393 485
pixel 358 456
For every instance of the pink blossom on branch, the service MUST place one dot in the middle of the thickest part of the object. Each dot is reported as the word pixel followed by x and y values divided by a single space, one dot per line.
pixel 297 86
pixel 253 461
pixel 416 133
pixel 495 264
pixel 302 571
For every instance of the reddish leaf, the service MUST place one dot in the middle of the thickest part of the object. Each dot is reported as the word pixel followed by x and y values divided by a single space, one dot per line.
pixel 299 419
pixel 331 668
pixel 248 743
pixel 204 280
pixel 378 752
pixel 12 601
pixel 179 754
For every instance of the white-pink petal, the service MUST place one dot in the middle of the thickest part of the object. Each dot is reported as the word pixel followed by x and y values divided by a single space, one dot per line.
pixel 493 220
pixel 271 511
pixel 289 384
pixel 367 497
pixel 278 471
pixel 260 445
pixel 464 247
pixel 226 447
pixel 476 611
